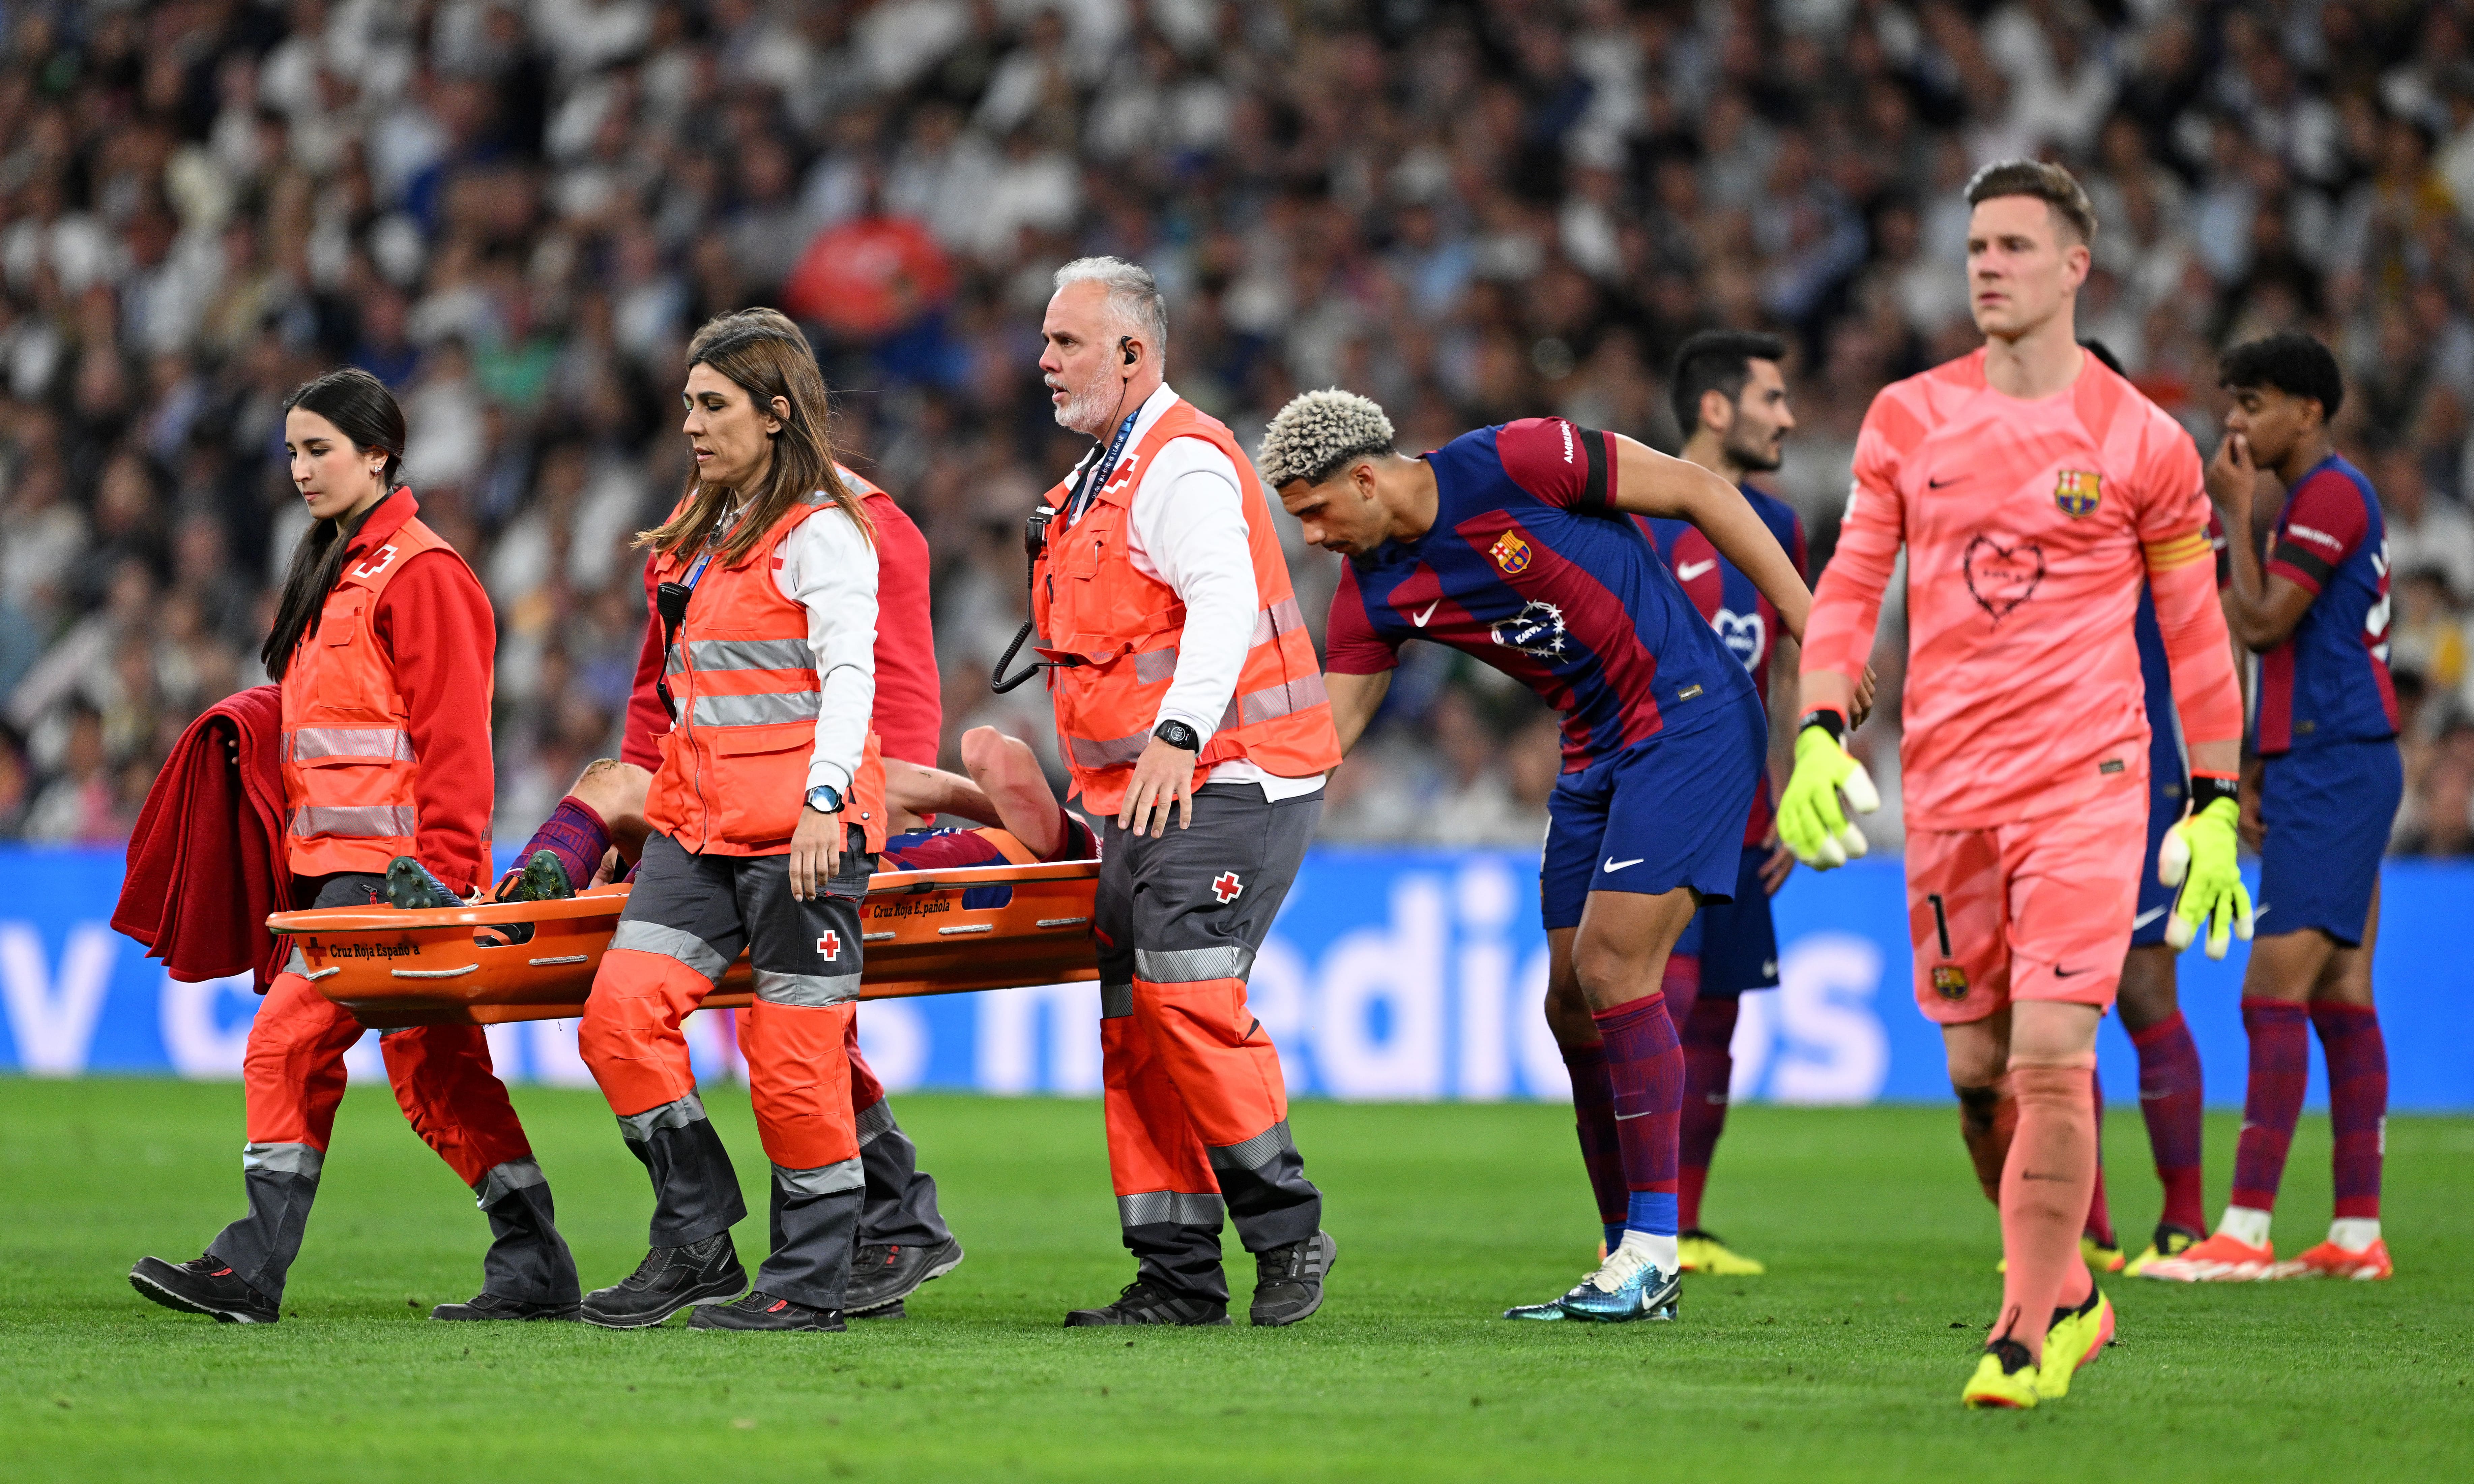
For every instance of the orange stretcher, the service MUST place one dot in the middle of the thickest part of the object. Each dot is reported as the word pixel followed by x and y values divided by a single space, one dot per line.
pixel 926 932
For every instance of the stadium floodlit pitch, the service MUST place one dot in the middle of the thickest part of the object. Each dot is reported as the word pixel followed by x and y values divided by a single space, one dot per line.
pixel 1844 1363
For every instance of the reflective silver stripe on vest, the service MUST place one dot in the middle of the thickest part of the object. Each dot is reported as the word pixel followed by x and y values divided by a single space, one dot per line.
pixel 639 1127
pixel 1111 754
pixel 314 742
pixel 1281 617
pixel 875 1120
pixel 368 821
pixel 1193 966
pixel 282 1159
pixel 771 708
pixel 1116 1001
pixel 823 1179
pixel 1155 664
pixel 505 1180
pixel 808 991
pixel 673 942
pixel 1165 1208
pixel 1274 702
pixel 752 655
pixel 1254 1153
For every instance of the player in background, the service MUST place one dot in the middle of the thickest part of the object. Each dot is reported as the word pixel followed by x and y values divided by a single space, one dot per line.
pixel 1514 544
pixel 1730 400
pixel 2034 490
pixel 2322 787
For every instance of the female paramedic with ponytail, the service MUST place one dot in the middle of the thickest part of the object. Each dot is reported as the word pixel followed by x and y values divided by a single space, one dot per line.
pixel 767 813
pixel 381 648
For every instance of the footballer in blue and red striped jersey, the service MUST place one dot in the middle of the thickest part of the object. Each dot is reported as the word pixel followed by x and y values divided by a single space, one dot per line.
pixel 1517 545
pixel 1530 568
pixel 2328 781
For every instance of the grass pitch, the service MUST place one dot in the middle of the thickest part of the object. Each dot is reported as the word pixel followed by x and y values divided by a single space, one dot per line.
pixel 1845 1362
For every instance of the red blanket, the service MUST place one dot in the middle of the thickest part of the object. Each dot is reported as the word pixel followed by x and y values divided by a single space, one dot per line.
pixel 209 859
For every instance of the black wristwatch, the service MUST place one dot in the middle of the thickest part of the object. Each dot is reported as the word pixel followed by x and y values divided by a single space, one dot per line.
pixel 1178 735
pixel 825 799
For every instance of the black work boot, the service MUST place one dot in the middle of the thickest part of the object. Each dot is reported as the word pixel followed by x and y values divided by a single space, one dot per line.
pixel 1288 1280
pixel 204 1285
pixel 761 1310
pixel 542 879
pixel 668 1280
pixel 490 1306
pixel 1141 1304
pixel 883 1274
pixel 410 886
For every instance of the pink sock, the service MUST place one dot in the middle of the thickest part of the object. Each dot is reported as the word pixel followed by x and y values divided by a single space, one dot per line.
pixel 2045 1190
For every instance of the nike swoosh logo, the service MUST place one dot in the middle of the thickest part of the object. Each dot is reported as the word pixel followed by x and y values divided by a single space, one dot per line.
pixel 2059 973
pixel 2145 918
pixel 1419 620
pixel 1624 1117
pixel 1614 864
pixel 1935 483
pixel 2032 1175
pixel 1692 570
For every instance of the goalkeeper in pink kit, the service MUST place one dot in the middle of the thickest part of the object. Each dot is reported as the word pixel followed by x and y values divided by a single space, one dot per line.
pixel 2036 492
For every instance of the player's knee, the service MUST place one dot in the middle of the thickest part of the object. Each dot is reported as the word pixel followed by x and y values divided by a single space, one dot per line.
pixel 612 788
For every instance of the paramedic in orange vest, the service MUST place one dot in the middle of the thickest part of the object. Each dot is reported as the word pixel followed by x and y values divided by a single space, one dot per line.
pixel 1184 683
pixel 767 813
pixel 381 645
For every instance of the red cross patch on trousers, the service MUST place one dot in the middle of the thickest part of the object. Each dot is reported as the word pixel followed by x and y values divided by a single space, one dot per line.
pixel 830 946
pixel 1226 887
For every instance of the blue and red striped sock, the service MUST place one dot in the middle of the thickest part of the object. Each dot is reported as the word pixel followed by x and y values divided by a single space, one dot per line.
pixel 574 833
pixel 2170 1087
pixel 2358 1100
pixel 2280 1066
pixel 1594 1116
pixel 1645 1064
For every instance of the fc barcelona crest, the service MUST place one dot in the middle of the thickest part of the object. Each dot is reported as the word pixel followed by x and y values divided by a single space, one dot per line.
pixel 1511 553
pixel 1949 980
pixel 2078 492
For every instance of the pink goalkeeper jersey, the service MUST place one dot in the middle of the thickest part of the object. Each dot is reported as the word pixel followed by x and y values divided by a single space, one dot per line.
pixel 2030 529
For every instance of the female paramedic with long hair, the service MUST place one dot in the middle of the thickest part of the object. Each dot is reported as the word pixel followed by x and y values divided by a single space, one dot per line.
pixel 767 813
pixel 382 647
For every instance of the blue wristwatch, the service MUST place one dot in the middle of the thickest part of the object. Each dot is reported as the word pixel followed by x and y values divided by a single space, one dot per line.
pixel 825 799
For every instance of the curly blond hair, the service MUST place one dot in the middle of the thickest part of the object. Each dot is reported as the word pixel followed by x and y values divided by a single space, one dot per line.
pixel 1317 433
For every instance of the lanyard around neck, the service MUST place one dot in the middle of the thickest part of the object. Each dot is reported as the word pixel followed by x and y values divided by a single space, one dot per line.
pixel 1100 471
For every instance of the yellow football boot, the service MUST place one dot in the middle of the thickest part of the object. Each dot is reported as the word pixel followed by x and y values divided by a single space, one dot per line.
pixel 2169 1242
pixel 2077 1338
pixel 1701 1252
pixel 2005 1376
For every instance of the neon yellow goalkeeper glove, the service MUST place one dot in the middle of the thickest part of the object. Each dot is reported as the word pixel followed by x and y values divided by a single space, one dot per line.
pixel 2197 856
pixel 1808 817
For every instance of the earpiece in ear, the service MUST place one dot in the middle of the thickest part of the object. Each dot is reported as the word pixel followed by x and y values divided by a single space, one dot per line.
pixel 1126 343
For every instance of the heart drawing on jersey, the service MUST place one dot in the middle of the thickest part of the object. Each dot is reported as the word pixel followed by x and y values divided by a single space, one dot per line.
pixel 2000 578
pixel 1741 633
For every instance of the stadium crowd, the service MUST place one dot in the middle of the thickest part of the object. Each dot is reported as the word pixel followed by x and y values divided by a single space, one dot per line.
pixel 515 212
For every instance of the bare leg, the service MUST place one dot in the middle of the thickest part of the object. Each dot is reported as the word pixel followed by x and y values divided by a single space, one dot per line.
pixel 1008 777
pixel 617 792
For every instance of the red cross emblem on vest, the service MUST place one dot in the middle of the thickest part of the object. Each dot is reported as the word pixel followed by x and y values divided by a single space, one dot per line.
pixel 830 946
pixel 1226 887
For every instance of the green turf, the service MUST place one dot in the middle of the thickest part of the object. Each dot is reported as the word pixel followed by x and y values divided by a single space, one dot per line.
pixel 1845 1362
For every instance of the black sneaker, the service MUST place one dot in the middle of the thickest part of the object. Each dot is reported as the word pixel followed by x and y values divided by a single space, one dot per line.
pixel 542 879
pixel 205 1285
pixel 1288 1280
pixel 1141 1304
pixel 668 1280
pixel 883 1274
pixel 490 1305
pixel 410 886
pixel 761 1310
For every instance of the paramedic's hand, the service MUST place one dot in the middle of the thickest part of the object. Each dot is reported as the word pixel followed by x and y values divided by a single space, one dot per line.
pixel 816 853
pixel 1163 781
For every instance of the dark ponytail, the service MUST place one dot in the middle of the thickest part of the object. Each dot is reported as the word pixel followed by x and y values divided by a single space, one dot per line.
pixel 363 410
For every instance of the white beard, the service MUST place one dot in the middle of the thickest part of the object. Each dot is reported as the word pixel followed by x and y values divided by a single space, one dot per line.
pixel 1090 410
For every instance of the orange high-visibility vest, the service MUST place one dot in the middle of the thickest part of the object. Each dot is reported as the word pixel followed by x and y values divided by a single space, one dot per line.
pixel 745 698
pixel 349 772
pixel 1091 605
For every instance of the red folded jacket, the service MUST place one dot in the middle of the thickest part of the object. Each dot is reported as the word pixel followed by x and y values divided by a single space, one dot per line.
pixel 209 859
